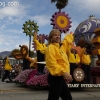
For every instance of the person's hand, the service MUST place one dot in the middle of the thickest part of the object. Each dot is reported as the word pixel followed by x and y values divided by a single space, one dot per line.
pixel 70 78
pixel 67 77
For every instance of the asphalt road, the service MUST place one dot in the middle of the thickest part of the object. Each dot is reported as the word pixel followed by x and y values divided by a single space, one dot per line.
pixel 11 91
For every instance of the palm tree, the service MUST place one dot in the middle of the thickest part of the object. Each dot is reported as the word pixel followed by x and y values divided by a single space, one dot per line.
pixel 60 3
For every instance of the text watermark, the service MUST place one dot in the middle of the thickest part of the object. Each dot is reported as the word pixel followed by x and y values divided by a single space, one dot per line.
pixel 9 4
pixel 84 85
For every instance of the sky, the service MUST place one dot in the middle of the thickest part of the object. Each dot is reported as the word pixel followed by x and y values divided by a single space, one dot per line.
pixel 12 18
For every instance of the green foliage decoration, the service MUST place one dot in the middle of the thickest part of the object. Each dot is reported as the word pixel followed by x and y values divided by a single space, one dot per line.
pixel 30 27
pixel 60 3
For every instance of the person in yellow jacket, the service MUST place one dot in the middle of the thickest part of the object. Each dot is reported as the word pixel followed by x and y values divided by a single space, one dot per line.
pixel 40 49
pixel 7 68
pixel 58 65
pixel 74 60
pixel 86 61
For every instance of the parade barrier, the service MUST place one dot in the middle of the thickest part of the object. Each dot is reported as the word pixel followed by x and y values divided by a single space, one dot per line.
pixel 43 62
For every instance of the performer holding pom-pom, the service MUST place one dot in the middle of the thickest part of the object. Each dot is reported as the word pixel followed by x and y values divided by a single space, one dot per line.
pixel 40 49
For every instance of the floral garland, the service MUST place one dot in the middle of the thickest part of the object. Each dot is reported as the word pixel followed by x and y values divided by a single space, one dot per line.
pixel 38 81
pixel 23 76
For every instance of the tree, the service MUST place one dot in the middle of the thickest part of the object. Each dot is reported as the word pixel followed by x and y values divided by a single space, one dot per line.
pixel 60 3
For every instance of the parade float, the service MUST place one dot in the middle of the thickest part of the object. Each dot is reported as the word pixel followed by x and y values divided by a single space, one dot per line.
pixel 29 77
pixel 85 34
pixel 61 21
pixel 95 71
pixel 29 27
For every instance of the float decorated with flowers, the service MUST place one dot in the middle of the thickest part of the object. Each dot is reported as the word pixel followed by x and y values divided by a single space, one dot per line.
pixel 84 36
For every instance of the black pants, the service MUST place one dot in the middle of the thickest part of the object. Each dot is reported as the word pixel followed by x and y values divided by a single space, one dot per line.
pixel 40 57
pixel 6 75
pixel 86 69
pixel 26 64
pixel 73 66
pixel 58 88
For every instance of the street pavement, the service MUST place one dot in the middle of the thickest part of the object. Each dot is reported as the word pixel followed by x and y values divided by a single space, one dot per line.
pixel 12 91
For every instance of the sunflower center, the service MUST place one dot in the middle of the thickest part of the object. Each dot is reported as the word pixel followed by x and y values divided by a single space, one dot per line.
pixel 62 21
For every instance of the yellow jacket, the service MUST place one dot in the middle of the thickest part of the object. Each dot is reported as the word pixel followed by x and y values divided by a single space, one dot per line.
pixel 86 59
pixel 56 58
pixel 69 38
pixel 7 65
pixel 72 58
pixel 39 46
